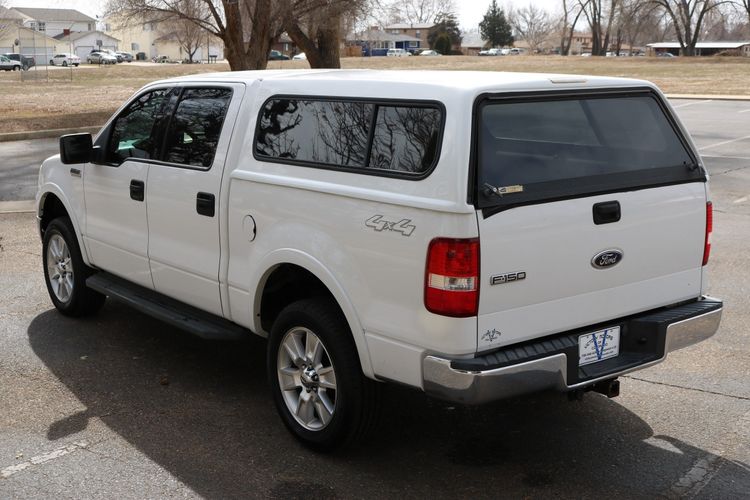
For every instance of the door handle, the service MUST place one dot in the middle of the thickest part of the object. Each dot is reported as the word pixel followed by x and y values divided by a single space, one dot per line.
pixel 205 204
pixel 606 212
pixel 137 190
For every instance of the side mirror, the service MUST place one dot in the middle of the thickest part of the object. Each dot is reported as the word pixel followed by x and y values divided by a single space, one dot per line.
pixel 75 148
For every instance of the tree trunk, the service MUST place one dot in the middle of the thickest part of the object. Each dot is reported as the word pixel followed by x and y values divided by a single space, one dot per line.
pixel 322 47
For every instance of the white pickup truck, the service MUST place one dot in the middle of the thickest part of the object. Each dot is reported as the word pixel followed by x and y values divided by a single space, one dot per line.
pixel 473 235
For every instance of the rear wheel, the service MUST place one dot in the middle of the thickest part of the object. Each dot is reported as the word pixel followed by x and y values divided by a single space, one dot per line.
pixel 65 273
pixel 313 369
pixel 65 63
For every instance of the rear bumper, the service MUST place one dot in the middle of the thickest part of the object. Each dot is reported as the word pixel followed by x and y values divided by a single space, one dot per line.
pixel 552 363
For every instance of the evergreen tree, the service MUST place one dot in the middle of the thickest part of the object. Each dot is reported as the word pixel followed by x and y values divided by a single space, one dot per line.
pixel 446 24
pixel 495 28
pixel 443 44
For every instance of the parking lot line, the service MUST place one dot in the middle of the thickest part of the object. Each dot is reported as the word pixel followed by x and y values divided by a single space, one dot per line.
pixel 744 111
pixel 40 459
pixel 724 142
pixel 691 103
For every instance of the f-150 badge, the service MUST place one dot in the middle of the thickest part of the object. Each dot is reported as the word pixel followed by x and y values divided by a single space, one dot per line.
pixel 379 224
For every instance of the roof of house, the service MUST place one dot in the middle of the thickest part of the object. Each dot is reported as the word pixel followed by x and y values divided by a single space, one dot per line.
pixel 10 14
pixel 49 15
pixel 408 26
pixel 699 45
pixel 77 35
pixel 472 40
pixel 373 35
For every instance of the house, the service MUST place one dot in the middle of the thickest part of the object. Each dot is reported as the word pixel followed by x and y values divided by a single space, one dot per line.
pixel 375 42
pixel 153 39
pixel 285 45
pixel 16 38
pixel 84 42
pixel 416 30
pixel 472 43
pixel 53 22
pixel 702 48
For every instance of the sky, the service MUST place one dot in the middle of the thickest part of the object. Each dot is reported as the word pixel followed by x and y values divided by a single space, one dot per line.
pixel 469 12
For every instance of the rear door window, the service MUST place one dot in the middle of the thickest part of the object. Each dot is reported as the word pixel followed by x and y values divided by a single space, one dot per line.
pixel 536 149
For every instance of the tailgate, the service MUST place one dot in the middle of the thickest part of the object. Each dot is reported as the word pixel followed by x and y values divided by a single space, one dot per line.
pixel 660 236
pixel 591 207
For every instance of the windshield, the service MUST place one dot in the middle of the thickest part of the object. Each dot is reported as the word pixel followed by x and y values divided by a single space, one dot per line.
pixel 545 148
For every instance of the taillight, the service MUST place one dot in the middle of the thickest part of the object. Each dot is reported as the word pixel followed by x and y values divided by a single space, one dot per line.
pixel 709 229
pixel 451 285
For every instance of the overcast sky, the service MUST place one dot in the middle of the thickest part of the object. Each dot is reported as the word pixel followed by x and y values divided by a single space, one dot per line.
pixel 469 12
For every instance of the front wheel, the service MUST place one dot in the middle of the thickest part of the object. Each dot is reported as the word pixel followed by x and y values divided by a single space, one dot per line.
pixel 314 372
pixel 65 273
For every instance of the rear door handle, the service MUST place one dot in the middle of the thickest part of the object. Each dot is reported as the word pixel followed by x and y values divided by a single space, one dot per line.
pixel 606 212
pixel 205 204
pixel 137 190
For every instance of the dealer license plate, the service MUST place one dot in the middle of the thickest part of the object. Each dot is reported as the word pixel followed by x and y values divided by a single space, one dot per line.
pixel 598 346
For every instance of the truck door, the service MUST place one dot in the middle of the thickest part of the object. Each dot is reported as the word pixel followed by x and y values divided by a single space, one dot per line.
pixel 183 198
pixel 116 229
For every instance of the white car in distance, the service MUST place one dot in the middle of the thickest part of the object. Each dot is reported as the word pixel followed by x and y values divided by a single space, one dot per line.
pixel 397 53
pixel 65 60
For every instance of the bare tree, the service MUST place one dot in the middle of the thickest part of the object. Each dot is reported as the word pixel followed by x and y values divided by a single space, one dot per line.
pixel 687 17
pixel 572 11
pixel 422 11
pixel 187 33
pixel 600 15
pixel 7 23
pixel 532 24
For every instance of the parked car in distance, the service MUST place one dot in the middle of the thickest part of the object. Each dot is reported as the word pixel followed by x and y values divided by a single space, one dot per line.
pixel 300 57
pixel 9 64
pixel 65 60
pixel 161 59
pixel 397 53
pixel 97 57
pixel 430 52
pixel 275 55
pixel 515 51
pixel 665 54
pixel 126 56
pixel 26 61
pixel 112 53
pixel 491 52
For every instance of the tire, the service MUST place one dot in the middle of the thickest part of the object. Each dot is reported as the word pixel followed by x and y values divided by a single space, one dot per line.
pixel 51 62
pixel 65 273
pixel 337 405
pixel 65 64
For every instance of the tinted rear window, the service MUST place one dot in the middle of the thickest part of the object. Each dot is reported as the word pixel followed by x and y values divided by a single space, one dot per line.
pixel 531 150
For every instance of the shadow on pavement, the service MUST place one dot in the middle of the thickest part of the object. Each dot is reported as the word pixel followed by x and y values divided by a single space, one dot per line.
pixel 203 411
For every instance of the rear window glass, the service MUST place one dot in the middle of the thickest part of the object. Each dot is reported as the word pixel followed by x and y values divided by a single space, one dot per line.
pixel 360 136
pixel 531 150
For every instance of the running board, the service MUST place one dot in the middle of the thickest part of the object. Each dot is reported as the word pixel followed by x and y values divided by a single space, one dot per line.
pixel 174 312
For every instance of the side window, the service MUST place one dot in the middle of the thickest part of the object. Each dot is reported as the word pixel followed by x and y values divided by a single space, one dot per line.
pixel 401 139
pixel 195 128
pixel 133 132
pixel 405 139
pixel 326 132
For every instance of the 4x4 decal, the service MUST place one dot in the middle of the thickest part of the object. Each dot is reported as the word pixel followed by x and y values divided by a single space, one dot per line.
pixel 379 224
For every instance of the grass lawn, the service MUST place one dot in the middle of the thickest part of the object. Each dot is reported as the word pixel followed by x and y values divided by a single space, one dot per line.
pixel 87 95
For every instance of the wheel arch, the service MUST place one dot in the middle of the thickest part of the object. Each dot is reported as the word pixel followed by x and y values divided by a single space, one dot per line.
pixel 52 204
pixel 316 280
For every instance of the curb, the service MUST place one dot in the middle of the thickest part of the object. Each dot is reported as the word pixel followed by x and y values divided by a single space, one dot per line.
pixel 44 134
pixel 17 207
pixel 709 97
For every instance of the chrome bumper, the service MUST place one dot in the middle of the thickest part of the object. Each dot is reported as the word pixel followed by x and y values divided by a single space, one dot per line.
pixel 551 372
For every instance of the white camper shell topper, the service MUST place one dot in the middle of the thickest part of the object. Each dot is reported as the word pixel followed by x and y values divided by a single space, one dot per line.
pixel 473 235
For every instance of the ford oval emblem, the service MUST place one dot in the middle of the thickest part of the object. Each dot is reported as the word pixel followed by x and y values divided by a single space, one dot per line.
pixel 607 258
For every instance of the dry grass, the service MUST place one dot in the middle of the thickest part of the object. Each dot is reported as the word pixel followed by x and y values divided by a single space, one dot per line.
pixel 88 95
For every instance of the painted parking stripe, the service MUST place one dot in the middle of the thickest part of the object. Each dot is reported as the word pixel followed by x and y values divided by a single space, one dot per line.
pixel 43 458
pixel 744 111
pixel 691 104
pixel 724 142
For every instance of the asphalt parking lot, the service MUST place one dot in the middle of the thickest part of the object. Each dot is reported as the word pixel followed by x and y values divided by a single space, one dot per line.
pixel 121 405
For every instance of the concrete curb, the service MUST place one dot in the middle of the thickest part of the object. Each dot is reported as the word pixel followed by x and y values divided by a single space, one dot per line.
pixel 17 207
pixel 43 134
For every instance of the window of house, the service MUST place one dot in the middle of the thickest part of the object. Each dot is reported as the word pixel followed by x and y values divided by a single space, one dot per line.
pixel 194 130
pixel 418 34
pixel 363 136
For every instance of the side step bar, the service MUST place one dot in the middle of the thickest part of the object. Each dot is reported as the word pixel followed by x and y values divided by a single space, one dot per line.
pixel 183 316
